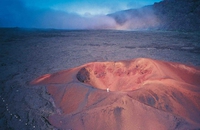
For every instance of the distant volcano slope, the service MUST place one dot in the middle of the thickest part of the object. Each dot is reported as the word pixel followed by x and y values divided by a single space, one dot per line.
pixel 133 94
pixel 173 15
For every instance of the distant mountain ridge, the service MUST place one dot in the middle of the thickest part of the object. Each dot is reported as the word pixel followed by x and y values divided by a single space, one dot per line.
pixel 173 15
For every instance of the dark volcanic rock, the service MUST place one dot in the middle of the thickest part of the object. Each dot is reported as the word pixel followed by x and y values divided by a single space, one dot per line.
pixel 180 15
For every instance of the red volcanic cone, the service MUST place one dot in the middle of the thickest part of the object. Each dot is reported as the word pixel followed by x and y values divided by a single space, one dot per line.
pixel 138 94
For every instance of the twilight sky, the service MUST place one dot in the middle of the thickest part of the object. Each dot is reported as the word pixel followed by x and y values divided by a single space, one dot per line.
pixel 63 14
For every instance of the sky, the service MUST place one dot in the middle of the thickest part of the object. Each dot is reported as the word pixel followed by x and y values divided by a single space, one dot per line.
pixel 64 14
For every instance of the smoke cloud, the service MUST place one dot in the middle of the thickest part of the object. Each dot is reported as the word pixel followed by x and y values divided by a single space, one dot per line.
pixel 16 14
pixel 136 19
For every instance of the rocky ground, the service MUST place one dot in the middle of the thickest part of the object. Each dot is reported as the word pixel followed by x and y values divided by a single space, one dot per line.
pixel 28 54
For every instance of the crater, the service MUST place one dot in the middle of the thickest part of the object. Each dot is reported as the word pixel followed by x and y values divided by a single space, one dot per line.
pixel 115 76
pixel 83 75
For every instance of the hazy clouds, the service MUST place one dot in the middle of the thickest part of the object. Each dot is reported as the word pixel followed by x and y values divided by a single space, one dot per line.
pixel 18 13
pixel 140 19
pixel 13 13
